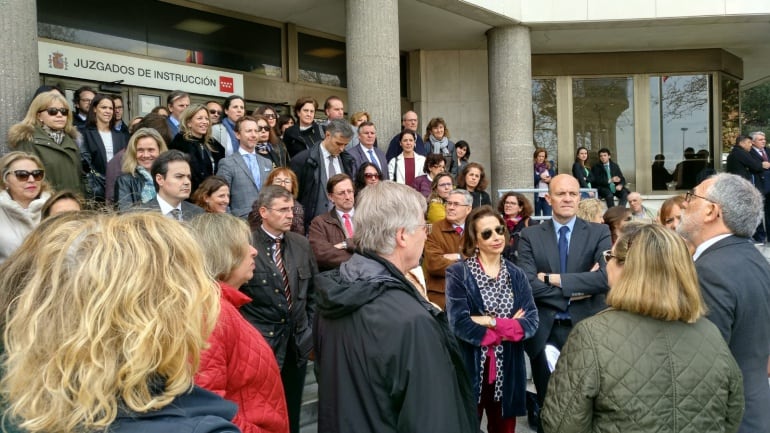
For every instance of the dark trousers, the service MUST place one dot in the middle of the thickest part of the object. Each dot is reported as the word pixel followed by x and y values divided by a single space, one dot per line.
pixel 609 196
pixel 293 378
pixel 540 372
pixel 495 421
pixel 760 235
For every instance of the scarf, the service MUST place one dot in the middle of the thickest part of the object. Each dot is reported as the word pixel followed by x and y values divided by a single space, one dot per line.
pixel 541 167
pixel 230 127
pixel 148 187
pixel 57 136
pixel 439 146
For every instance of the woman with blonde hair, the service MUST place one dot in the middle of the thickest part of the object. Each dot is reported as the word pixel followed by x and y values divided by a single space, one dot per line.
pixel 108 329
pixel 591 210
pixel 194 138
pixel 47 132
pixel 23 192
pixel 651 362
pixel 136 186
pixel 286 178
pixel 238 365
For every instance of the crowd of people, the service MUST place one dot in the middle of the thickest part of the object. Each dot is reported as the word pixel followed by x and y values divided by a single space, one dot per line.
pixel 181 270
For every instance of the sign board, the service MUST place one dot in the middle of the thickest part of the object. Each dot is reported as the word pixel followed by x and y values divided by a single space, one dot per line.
pixel 87 64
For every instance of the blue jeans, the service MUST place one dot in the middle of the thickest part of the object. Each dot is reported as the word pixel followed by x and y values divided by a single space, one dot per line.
pixel 542 207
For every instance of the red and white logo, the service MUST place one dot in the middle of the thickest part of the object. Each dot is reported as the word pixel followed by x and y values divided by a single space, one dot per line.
pixel 57 60
pixel 226 84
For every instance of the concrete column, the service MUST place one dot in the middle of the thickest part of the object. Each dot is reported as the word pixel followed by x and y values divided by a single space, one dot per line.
pixel 373 64
pixel 510 108
pixel 19 75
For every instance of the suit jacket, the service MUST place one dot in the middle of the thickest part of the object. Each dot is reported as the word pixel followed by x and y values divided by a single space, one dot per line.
pixel 360 156
pixel 538 252
pixel 243 189
pixel 308 165
pixel 601 181
pixel 268 310
pixel 93 144
pixel 584 177
pixel 326 230
pixel 746 165
pixel 442 240
pixel 296 140
pixel 735 281
pixel 189 210
pixel 763 184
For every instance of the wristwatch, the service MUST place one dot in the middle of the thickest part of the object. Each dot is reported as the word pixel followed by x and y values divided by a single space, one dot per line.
pixel 493 323
pixel 547 279
pixel 344 245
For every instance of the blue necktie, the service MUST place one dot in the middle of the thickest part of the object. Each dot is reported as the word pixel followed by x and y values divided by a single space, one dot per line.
pixel 563 248
pixel 251 161
pixel 373 159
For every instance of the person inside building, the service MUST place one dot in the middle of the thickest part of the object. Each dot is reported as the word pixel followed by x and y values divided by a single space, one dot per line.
pixel 48 132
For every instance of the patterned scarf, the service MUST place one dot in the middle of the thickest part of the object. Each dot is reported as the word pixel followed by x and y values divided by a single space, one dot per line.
pixel 148 188
pixel 439 146
pixel 57 136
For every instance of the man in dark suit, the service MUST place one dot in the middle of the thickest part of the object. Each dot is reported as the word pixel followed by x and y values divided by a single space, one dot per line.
pixel 760 153
pixel 718 218
pixel 409 121
pixel 173 180
pixel 315 166
pixel 559 257
pixel 245 170
pixel 609 180
pixel 282 293
pixel 81 101
pixel 367 151
pixel 740 161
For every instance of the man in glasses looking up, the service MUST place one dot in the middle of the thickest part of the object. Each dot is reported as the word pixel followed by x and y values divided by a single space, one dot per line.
pixel 559 257
pixel 443 246
pixel 718 219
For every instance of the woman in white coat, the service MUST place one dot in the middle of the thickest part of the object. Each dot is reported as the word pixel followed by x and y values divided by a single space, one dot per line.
pixel 408 164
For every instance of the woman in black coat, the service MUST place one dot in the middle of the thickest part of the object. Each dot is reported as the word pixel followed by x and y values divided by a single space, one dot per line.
pixel 100 140
pixel 582 172
pixel 194 139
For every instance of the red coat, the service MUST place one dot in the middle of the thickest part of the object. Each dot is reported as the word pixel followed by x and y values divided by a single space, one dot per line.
pixel 240 366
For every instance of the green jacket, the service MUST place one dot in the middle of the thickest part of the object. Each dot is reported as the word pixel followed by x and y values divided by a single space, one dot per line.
pixel 623 372
pixel 60 161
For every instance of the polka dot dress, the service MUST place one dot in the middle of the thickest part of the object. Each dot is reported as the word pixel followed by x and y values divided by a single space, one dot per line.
pixel 497 295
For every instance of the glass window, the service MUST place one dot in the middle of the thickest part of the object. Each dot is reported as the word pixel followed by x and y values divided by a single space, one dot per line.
pixel 544 116
pixel 165 31
pixel 603 116
pixel 321 60
pixel 680 138
pixel 731 114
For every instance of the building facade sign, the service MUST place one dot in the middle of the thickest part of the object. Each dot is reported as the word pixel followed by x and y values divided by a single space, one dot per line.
pixel 71 61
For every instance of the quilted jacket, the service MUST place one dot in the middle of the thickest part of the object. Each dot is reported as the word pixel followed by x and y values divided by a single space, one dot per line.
pixel 240 366
pixel 623 372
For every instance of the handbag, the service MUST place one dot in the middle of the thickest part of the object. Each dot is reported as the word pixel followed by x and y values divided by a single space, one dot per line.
pixel 93 181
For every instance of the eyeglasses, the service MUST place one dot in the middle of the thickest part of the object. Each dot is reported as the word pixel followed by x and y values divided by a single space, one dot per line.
pixel 270 116
pixel 215 112
pixel 455 204
pixel 23 175
pixel 445 185
pixel 371 175
pixel 486 234
pixel 53 111
pixel 282 181
pixel 263 128
pixel 607 255
pixel 427 227
pixel 689 195
pixel 282 211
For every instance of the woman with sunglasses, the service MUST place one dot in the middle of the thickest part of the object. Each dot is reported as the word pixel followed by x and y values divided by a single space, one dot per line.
pixel 286 178
pixel 440 189
pixel 278 152
pixel 47 131
pixel 491 310
pixel 367 174
pixel 22 196
pixel 651 362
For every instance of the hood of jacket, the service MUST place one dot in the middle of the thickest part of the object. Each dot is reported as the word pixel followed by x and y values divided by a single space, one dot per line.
pixel 22 132
pixel 357 282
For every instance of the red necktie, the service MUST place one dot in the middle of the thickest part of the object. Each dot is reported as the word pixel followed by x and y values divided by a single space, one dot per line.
pixel 459 230
pixel 764 155
pixel 348 224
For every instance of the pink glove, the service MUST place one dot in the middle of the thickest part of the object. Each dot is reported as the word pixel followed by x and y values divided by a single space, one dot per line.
pixel 492 364
pixel 490 338
pixel 509 329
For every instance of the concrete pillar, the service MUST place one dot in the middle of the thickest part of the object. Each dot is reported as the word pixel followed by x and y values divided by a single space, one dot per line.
pixel 18 62
pixel 373 64
pixel 510 108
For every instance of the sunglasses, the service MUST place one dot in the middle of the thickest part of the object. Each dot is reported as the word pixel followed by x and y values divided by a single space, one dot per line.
pixel 23 175
pixel 371 175
pixel 486 234
pixel 607 255
pixel 263 128
pixel 53 111
pixel 270 116
pixel 215 112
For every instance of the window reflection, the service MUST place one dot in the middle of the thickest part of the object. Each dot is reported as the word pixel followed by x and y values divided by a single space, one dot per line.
pixel 544 116
pixel 321 60
pixel 603 116
pixel 680 135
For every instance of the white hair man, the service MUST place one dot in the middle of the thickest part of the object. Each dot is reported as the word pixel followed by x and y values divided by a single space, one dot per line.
pixel 379 344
